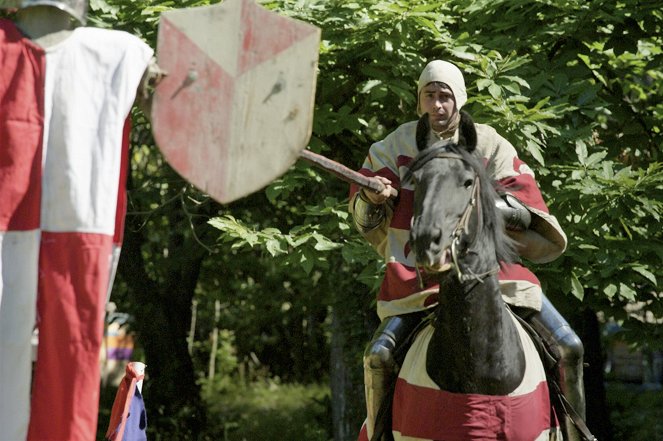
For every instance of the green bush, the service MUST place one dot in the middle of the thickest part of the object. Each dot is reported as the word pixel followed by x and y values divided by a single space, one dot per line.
pixel 636 413
pixel 269 411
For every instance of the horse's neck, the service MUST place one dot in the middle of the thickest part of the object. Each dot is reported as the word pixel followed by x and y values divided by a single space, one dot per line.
pixel 475 347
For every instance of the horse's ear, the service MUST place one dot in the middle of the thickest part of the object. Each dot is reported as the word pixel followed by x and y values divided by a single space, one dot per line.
pixel 468 133
pixel 423 129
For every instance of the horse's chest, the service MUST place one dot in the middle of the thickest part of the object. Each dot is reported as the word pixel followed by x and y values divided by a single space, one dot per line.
pixel 424 412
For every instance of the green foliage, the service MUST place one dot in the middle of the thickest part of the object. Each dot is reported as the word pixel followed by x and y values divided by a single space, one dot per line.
pixel 575 86
pixel 637 414
pixel 303 246
pixel 270 411
pixel 613 209
pixel 226 364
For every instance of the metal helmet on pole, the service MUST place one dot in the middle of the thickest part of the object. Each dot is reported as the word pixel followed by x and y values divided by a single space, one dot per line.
pixel 75 8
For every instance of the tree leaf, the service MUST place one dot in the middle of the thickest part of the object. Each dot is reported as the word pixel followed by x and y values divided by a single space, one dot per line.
pixel 626 292
pixel 646 274
pixel 576 287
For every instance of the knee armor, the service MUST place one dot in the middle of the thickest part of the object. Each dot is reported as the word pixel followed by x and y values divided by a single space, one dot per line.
pixel 558 334
pixel 379 353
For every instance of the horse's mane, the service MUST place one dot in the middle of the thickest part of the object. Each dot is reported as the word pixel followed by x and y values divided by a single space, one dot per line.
pixel 492 219
pixel 466 148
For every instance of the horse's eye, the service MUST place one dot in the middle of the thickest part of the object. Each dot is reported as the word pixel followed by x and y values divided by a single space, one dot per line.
pixel 468 183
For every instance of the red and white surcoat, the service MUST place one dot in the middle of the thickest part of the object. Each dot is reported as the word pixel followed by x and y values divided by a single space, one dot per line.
pixel 400 292
pixel 63 135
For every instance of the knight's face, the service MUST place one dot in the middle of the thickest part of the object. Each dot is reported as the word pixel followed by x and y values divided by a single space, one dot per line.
pixel 438 101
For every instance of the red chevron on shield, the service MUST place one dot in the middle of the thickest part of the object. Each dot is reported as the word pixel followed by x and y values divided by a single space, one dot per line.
pixel 236 106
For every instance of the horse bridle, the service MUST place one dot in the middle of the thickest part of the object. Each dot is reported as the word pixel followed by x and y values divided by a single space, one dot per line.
pixel 462 227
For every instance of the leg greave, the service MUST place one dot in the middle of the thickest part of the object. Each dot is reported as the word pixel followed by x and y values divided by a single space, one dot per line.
pixel 380 368
pixel 568 349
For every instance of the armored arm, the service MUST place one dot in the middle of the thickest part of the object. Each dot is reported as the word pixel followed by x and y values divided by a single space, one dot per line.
pixel 367 215
pixel 515 214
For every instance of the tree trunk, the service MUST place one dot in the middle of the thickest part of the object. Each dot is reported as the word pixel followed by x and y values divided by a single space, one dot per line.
pixel 350 333
pixel 585 323
pixel 162 314
pixel 588 329
pixel 215 344
pixel 340 382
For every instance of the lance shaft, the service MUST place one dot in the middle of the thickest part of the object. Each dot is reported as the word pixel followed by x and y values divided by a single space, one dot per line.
pixel 344 173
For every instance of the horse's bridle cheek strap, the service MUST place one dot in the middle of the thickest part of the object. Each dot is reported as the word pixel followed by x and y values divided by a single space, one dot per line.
pixel 463 225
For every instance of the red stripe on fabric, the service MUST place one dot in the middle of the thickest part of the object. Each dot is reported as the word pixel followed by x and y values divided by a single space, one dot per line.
pixel 354 188
pixel 363 435
pixel 21 129
pixel 403 161
pixel 403 213
pixel 516 271
pixel 387 173
pixel 431 299
pixel 524 187
pixel 73 279
pixel 120 409
pixel 399 282
pixel 121 210
pixel 433 414
pixel 120 413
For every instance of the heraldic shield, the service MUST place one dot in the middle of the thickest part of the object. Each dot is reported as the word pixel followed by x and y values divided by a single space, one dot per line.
pixel 236 105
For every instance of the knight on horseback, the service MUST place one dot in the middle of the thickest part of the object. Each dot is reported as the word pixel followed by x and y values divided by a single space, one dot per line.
pixel 405 297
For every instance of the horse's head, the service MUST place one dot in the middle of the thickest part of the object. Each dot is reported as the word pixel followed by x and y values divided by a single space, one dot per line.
pixel 454 204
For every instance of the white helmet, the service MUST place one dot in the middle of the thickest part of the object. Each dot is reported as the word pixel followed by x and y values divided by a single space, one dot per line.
pixel 75 8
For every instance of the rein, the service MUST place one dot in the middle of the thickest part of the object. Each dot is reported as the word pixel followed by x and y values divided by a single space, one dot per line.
pixel 462 228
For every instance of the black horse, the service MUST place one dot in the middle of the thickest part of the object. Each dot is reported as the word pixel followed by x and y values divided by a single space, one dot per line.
pixel 473 372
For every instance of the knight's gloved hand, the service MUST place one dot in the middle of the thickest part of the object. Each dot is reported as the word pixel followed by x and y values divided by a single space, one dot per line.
pixel 516 216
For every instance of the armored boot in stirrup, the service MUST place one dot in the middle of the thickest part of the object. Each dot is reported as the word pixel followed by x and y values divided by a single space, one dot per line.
pixel 568 349
pixel 380 367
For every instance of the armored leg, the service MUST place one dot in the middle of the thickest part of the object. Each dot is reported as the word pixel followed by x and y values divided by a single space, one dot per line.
pixel 568 349
pixel 380 368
